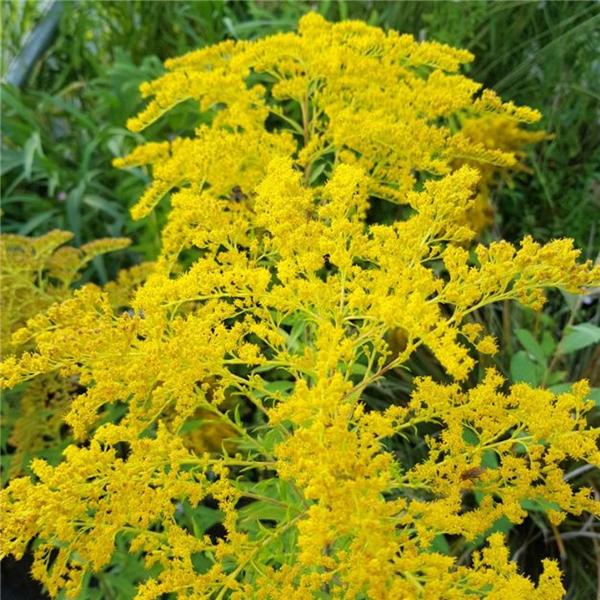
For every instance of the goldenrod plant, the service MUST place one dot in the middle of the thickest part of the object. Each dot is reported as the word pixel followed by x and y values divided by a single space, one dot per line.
pixel 39 272
pixel 267 315
pixel 36 273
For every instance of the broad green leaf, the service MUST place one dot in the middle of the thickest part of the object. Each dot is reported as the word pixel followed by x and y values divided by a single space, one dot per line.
pixel 470 437
pixel 489 459
pixel 523 369
pixel 560 388
pixel 556 377
pixel 203 518
pixel 531 344
pixel 264 511
pixel 440 545
pixel 359 369
pixel 595 396
pixel 579 336
pixel 548 343
pixel 541 505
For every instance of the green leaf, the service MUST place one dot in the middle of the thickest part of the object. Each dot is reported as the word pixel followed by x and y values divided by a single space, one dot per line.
pixel 523 369
pixel 32 147
pixel 5 464
pixel 489 459
pixel 595 396
pixel 10 160
pixel 272 438
pixel 373 18
pixel 293 338
pixel 556 377
pixel 278 386
pixel 103 205
pixel 78 115
pixel 578 337
pixel 281 509
pixel 560 388
pixel 73 205
pixel 531 345
pixel 548 343
pixel 502 525
pixel 264 511
pixel 36 221
pixel 237 418
pixel 203 518
pixel 538 505
pixel 316 172
pixel 571 300
pixel 359 369
pixel 470 437
pixel 324 7
pixel 440 545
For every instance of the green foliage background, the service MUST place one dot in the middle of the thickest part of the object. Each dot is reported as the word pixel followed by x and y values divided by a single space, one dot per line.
pixel 60 133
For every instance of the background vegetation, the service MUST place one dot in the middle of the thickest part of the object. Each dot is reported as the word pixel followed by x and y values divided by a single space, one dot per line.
pixel 61 131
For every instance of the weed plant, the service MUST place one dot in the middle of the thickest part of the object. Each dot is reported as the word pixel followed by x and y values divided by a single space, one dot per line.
pixel 62 131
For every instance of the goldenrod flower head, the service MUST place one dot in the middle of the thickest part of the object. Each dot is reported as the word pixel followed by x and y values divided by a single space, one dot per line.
pixel 237 367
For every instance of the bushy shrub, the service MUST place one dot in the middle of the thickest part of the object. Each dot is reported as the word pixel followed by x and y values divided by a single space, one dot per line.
pixel 266 319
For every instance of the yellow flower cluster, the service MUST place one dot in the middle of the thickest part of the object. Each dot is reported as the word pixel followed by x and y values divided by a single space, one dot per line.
pixel 37 272
pixel 495 131
pixel 304 95
pixel 277 326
